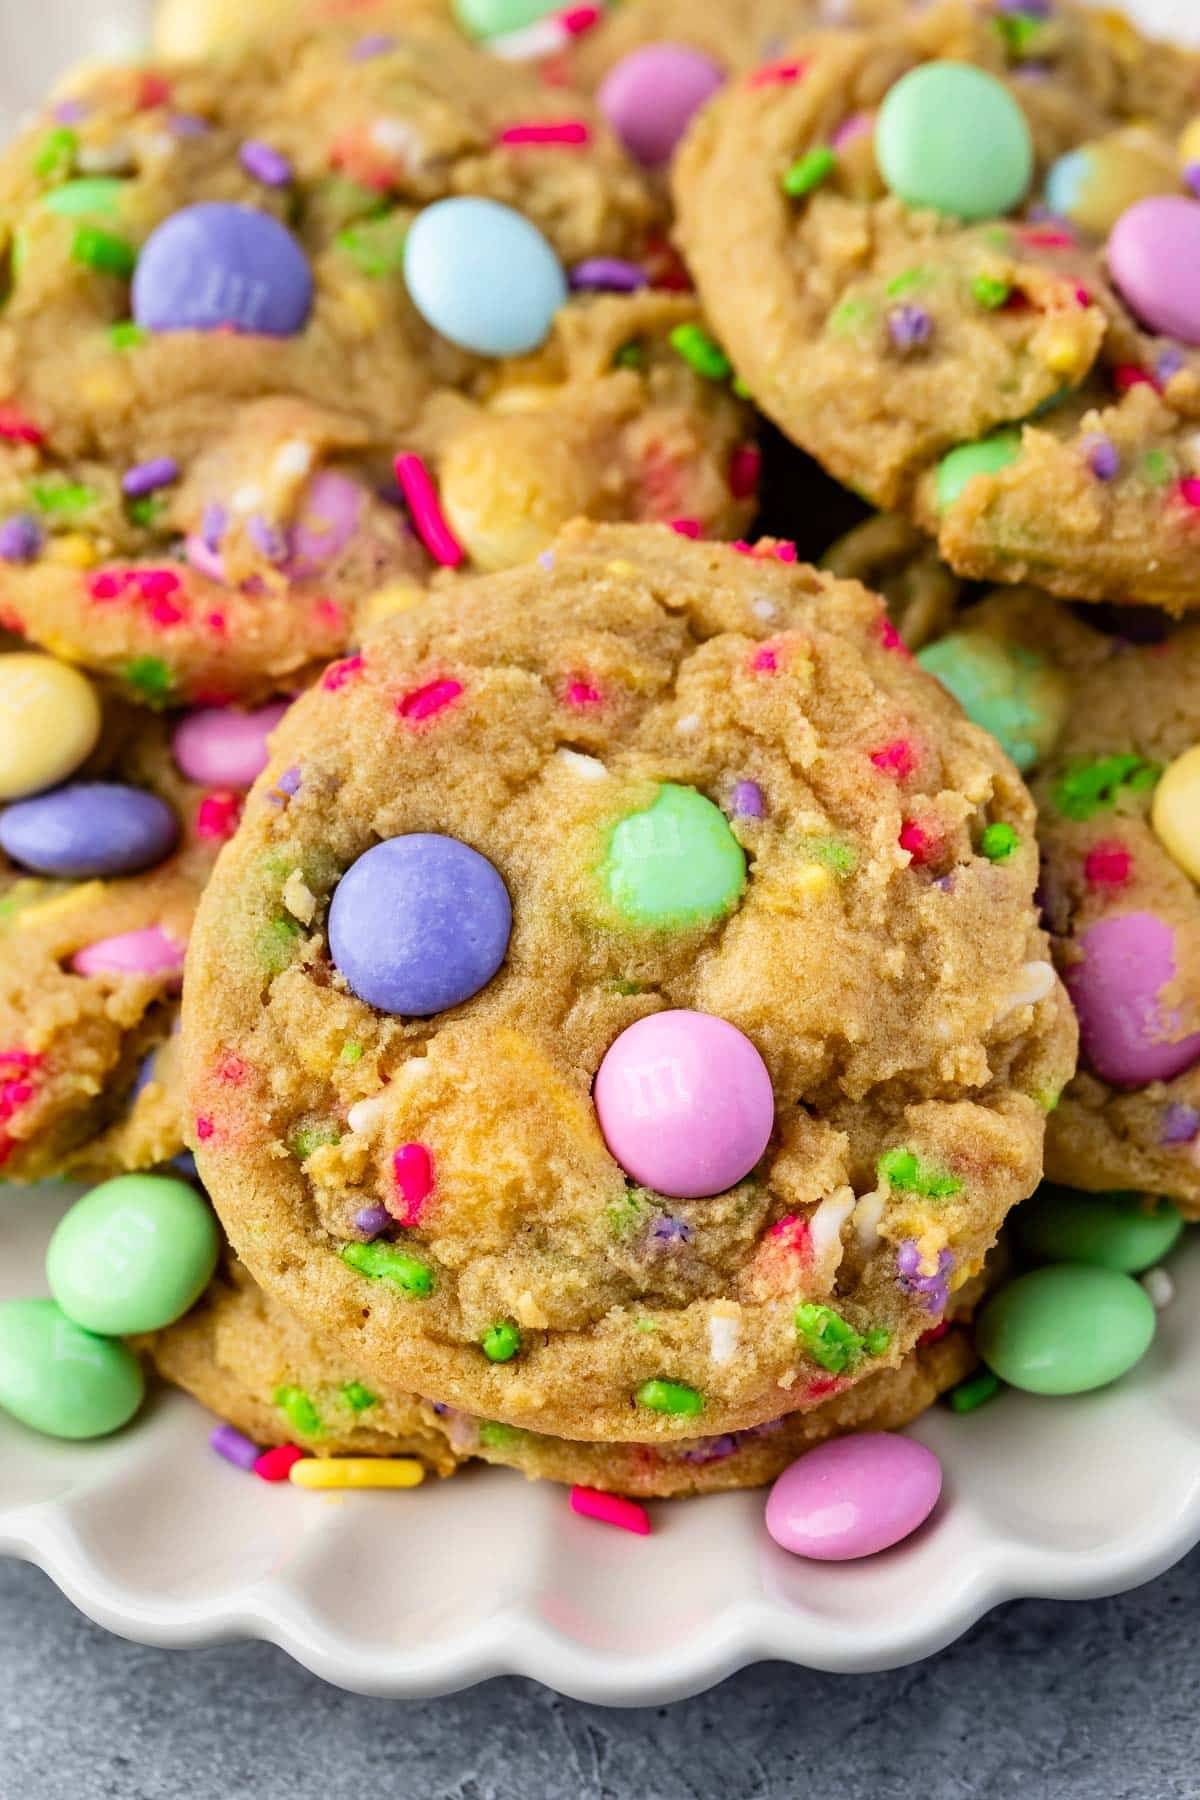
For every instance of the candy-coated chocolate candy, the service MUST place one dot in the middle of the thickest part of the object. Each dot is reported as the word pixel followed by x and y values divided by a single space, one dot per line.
pixel 61 1380
pixel 952 137
pixel 1011 691
pixel 483 275
pixel 133 1255
pixel 1110 1231
pixel 1092 186
pixel 1065 1329
pixel 1154 259
pixel 1175 813
pixel 217 265
pixel 146 952
pixel 496 18
pixel 329 517
pixel 854 1496
pixel 685 1103
pixel 220 747
pixel 1128 1033
pixel 675 863
pixel 650 95
pixel 49 723
pixel 91 828
pixel 962 464
pixel 419 923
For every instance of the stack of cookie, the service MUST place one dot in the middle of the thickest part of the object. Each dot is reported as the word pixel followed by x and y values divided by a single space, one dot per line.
pixel 622 1013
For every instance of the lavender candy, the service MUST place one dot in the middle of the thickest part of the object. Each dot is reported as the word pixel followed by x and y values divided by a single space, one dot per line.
pixel 235 1448
pixel 216 266
pixel 20 538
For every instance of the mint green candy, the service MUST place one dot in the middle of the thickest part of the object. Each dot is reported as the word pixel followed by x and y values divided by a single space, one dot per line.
pixel 91 195
pixel 675 864
pixel 61 1380
pixel 962 464
pixel 1065 1329
pixel 1108 1231
pixel 951 137
pixel 1012 692
pixel 133 1255
pixel 496 18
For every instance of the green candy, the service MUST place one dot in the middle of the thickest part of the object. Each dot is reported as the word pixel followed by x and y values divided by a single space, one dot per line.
pixel 675 864
pixel 396 1268
pixel 674 1397
pixel 90 196
pixel 1107 1231
pixel 496 18
pixel 133 1255
pixel 61 1380
pixel 500 1343
pixel 1065 1329
pixel 951 137
pixel 987 457
pixel 1012 692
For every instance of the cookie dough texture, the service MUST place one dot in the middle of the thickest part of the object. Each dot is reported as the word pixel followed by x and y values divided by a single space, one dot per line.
pixel 892 556
pixel 891 975
pixel 881 338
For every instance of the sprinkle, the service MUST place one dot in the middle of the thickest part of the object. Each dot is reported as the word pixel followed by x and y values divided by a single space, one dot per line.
pixel 1191 176
pixel 147 477
pixel 383 1262
pixel 420 496
pixel 54 157
pixel 809 171
pixel 358 1398
pixel 188 125
pixel 412 1172
pixel 277 1464
pixel 583 693
pixel 424 702
pixel 500 1343
pixel 890 638
pixel 1127 375
pixel 1189 491
pixel 977 1390
pixel 375 43
pixel 748 800
pixel 935 1287
pixel 126 335
pixel 905 1173
pixel 235 1448
pixel 990 292
pixel 104 251
pixel 909 327
pixel 265 164
pixel 701 352
pixel 998 841
pixel 325 1472
pixel 289 781
pixel 674 1397
pixel 775 73
pixel 204 1130
pixel 556 131
pixel 831 1342
pixel 269 540
pixel 688 528
pixel 311 1138
pixel 1160 1287
pixel 921 843
pixel 1096 786
pixel 20 538
pixel 898 759
pixel 609 274
pixel 765 661
pixel 723 1333
pixel 1107 864
pixel 1181 1124
pixel 1167 363
pixel 17 428
pixel 218 814
pixel 299 1411
pixel 338 674
pixel 610 1509
pixel 70 112
pixel 153 90
pixel 1036 982
pixel 1102 457
pixel 745 468
pixel 372 1221
pixel 588 768
pixel 666 1231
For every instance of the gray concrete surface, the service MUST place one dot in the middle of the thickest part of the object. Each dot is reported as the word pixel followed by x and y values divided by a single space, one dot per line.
pixel 1040 1702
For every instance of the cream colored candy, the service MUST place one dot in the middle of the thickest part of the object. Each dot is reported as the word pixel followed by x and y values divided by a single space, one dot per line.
pixel 1176 811
pixel 49 723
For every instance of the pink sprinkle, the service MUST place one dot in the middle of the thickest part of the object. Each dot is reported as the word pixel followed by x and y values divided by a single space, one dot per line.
pixel 328 612
pixel 204 1130
pixel 890 638
pixel 420 496
pixel 339 673
pixel 764 661
pixel 793 1234
pixel 565 131
pixel 424 702
pixel 165 612
pixel 216 623
pixel 21 1059
pixel 855 126
pixel 156 584
pixel 823 1385
pixel 1107 865
pixel 582 693
pixel 745 466
pixel 898 759
pixel 233 1070
pixel 107 585
pixel 1189 491
pixel 1047 237
pixel 412 1171
pixel 146 952
pixel 14 1095
pixel 17 428
pixel 773 73
pixel 1083 295
pixel 578 19
pixel 922 845
pixel 610 1509
pixel 688 528
pixel 218 815
pixel 1128 375
pixel 277 1464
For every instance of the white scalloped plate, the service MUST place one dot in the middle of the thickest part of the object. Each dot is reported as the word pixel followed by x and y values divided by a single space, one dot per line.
pixel 418 1594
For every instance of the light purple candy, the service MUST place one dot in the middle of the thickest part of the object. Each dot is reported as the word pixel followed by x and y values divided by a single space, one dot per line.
pixel 330 516
pixel 89 829
pixel 650 96
pixel 1127 1034
pixel 1154 259
pixel 265 163
pixel 608 273
pixel 228 1442
pixel 148 477
pixel 371 1221
pixel 218 746
pixel 220 265
pixel 854 1496
pixel 20 538
pixel 748 802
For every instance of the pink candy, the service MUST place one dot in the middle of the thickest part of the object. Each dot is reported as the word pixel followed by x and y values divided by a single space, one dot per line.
pixel 220 747
pixel 650 96
pixel 146 952
pixel 854 1496
pixel 685 1103
pixel 610 1509
pixel 1127 1033
pixel 1154 259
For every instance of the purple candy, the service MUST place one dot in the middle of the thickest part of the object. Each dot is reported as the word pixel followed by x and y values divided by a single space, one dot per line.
pixel 188 125
pixel 909 327
pixel 1181 1124
pixel 935 1288
pixel 289 781
pixel 1103 457
pixel 268 165
pixel 372 1220
pixel 219 265
pixel 1127 1035
pixel 89 829
pixel 330 516
pixel 269 539
pixel 1191 176
pixel 419 923
pixel 20 538
pixel 610 273
pixel 650 95
pixel 748 800
pixel 235 1448
pixel 1154 259
pixel 147 477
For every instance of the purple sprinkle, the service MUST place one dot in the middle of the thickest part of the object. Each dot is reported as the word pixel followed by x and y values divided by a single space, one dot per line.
pixel 609 272
pixel 546 560
pixel 909 327
pixel 1181 1124
pixel 269 166
pixel 1102 456
pixel 289 781
pixel 710 1450
pixel 666 1230
pixel 1168 363
pixel 188 125
pixel 1033 9
pixel 70 112
pixel 268 539
pixel 1032 71
pixel 748 800
pixel 20 538
pixel 146 477
pixel 234 1447
pixel 935 1288
pixel 1191 176
pixel 945 883
pixel 372 1220
pixel 214 525
pixel 376 43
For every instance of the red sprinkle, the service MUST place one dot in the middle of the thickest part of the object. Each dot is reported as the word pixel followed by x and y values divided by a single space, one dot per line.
pixel 420 496
pixel 934 1333
pixel 921 844
pixel 17 428
pixel 1108 864
pixel 1128 375
pixel 412 1171
pixel 216 623
pixel 688 528
pixel 610 1509
pixel 13 1096
pixel 890 638
pixel 153 90
pixel 773 73
pixel 765 661
pixel 276 1464
pixel 793 1233
pixel 822 1385
pixel 218 814
pixel 1047 237
pixel 204 1129
pixel 898 758
pixel 422 703
pixel 234 1070
pixel 745 467
pixel 578 19
pixel 584 693
pixel 339 673
pixel 21 1059
pixel 1083 295
pixel 559 131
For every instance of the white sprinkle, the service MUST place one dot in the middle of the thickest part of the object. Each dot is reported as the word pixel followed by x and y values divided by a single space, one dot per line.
pixel 1037 980
pixel 826 1223
pixel 364 1115
pixel 293 460
pixel 1160 1287
pixel 247 499
pixel 689 723
pixel 588 768
pixel 396 138
pixel 723 1335
pixel 105 159
pixel 763 608
pixel 867 1215
pixel 299 898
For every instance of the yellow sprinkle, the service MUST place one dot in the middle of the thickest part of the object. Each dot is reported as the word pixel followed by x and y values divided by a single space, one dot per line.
pixel 73 550
pixel 621 568
pixel 385 602
pixel 1060 353
pixel 357 1472
pixel 88 894
pixel 804 882
pixel 102 389
pixel 363 307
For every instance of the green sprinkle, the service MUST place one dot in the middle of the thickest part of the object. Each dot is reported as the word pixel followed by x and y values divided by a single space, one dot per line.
pixel 876 1340
pixel 299 1411
pixel 809 171
pixel 501 1342
pixel 904 1171
pixel 104 252
pixel 313 1137
pixel 1088 788
pixel 701 352
pixel 831 1341
pixel 1048 1098
pixel 383 1262
pixel 375 246
pixel 93 194
pixel 630 356
pixel 738 386
pixel 977 1390
pixel 626 1216
pixel 351 1052
pixel 147 511
pixel 647 1325
pixel 357 1397
pixel 998 841
pixel 1158 467
pixel 831 853
pixel 500 1437
pixel 150 677
pixel 62 498
pixel 1019 33
pixel 909 281
pixel 674 1397
pixel 990 291
pixel 851 316
pixel 54 157
pixel 126 335
pixel 275 943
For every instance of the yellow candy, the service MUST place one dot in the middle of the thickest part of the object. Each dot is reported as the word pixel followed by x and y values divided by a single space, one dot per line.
pixel 385 602
pixel 1175 814
pixel 73 551
pixel 1060 353
pixel 357 1472
pixel 49 723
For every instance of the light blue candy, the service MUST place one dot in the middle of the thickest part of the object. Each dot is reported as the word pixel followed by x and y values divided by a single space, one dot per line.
pixel 1066 180
pixel 483 276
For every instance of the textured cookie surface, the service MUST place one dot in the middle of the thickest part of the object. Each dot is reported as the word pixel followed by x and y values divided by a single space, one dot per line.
pixel 710 783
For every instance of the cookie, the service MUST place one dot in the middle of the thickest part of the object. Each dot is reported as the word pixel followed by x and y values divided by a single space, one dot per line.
pixel 896 559
pixel 576 1154
pixel 1018 385
pixel 245 1358
pixel 1108 723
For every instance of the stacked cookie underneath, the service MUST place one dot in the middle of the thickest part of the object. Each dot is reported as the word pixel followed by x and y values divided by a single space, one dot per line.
pixel 549 976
